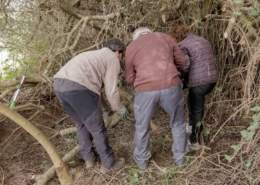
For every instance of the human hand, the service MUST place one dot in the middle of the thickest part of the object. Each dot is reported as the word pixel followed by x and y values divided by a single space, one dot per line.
pixel 123 113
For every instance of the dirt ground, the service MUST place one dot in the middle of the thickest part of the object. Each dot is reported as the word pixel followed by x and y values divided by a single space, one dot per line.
pixel 22 158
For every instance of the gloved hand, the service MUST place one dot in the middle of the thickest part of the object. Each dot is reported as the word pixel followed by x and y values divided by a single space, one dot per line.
pixel 122 112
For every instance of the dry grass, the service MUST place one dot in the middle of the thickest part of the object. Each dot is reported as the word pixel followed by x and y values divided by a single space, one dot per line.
pixel 236 42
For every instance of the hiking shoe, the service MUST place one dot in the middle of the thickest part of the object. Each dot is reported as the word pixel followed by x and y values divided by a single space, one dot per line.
pixel 195 146
pixel 192 144
pixel 118 164
pixel 143 166
pixel 89 164
pixel 180 162
pixel 193 138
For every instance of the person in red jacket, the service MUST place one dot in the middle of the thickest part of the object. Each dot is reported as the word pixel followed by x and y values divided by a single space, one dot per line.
pixel 153 64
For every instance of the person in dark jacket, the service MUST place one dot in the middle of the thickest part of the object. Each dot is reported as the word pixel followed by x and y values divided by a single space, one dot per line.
pixel 200 79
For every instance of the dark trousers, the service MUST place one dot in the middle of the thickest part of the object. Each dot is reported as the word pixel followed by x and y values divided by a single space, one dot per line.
pixel 84 108
pixel 196 101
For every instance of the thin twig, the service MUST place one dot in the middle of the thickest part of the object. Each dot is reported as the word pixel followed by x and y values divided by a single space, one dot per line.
pixel 230 117
pixel 62 119
pixel 3 176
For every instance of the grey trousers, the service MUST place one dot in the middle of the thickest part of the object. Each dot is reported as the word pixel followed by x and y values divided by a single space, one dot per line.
pixel 84 108
pixel 172 101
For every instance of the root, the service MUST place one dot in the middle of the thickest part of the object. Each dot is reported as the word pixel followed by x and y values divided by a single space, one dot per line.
pixel 49 174
pixel 110 121
pixel 67 131
pixel 155 128
pixel 59 165
pixel 161 169
pixel 3 176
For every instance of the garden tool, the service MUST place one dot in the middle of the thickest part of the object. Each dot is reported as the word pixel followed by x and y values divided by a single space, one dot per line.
pixel 13 100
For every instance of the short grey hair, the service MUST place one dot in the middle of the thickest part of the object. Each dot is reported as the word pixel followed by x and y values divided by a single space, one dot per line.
pixel 140 31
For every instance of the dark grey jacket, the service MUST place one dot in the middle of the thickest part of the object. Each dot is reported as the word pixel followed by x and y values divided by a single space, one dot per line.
pixel 203 68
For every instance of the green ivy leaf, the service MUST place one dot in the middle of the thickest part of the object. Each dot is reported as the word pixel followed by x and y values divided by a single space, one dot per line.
pixel 255 109
pixel 247 135
pixel 256 117
pixel 248 163
pixel 218 89
pixel 236 13
pixel 206 131
pixel 236 147
pixel 254 12
pixel 133 177
pixel 228 158
pixel 238 1
pixel 253 126
pixel 198 124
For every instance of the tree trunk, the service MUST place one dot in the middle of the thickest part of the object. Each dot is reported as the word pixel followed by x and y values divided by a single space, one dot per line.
pixel 61 169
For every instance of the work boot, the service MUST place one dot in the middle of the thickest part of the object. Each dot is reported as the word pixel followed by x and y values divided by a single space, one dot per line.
pixel 193 143
pixel 89 164
pixel 180 162
pixel 118 164
pixel 143 166
pixel 193 138
pixel 195 146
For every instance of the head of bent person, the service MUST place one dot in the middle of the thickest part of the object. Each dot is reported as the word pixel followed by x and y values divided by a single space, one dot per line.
pixel 179 32
pixel 116 46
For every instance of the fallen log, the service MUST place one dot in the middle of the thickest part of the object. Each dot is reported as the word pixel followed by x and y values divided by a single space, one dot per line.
pixel 59 165
pixel 49 174
pixel 5 84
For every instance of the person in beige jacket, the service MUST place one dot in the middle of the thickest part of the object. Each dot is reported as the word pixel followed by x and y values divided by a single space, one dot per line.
pixel 77 85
